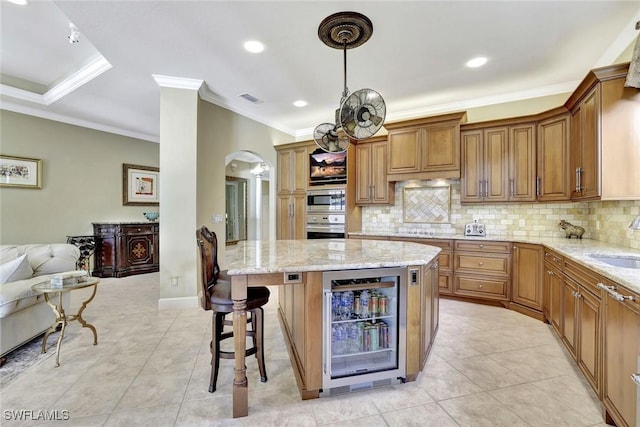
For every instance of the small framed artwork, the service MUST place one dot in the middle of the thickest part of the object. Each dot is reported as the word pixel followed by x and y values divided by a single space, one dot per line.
pixel 140 185
pixel 20 172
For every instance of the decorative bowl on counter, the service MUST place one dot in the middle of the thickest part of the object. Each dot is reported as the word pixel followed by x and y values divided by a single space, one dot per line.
pixel 151 216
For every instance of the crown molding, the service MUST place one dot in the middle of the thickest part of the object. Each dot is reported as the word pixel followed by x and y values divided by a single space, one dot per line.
pixel 178 82
pixel 84 75
pixel 30 111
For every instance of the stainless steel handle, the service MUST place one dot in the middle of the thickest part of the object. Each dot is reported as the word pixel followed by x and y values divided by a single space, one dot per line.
pixel 486 188
pixel 613 293
pixel 327 339
pixel 537 185
pixel 512 187
pixel 579 180
pixel 636 378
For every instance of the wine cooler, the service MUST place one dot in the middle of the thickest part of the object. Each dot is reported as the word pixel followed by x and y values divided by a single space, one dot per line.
pixel 364 328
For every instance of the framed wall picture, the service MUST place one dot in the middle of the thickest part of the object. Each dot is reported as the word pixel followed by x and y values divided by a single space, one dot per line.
pixel 20 172
pixel 140 185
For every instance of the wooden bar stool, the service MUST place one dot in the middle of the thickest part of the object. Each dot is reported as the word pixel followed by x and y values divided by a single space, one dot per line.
pixel 216 296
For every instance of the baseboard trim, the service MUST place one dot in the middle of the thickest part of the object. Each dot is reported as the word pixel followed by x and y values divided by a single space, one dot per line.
pixel 178 303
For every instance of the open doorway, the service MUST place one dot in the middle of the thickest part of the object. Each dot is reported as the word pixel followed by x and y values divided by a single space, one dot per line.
pixel 248 197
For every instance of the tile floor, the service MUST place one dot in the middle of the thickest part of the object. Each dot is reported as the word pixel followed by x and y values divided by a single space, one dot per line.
pixel 489 367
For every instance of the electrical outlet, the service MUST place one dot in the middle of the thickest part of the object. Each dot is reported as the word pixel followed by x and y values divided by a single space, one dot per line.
pixel 217 218
pixel 174 282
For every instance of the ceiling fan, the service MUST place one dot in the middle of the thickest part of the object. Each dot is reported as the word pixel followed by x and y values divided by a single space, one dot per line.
pixel 361 114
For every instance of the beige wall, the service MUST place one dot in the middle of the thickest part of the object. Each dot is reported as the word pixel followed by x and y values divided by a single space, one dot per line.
pixel 81 182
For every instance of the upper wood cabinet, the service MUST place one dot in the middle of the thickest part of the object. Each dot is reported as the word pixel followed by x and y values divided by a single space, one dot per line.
pixel 553 178
pixel 293 178
pixel 604 157
pixel 293 167
pixel 426 148
pixel 372 187
pixel 498 163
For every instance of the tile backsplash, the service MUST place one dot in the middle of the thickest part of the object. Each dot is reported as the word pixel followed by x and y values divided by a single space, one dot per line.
pixel 607 221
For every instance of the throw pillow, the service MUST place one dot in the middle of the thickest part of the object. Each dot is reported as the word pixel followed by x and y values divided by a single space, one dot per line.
pixel 17 269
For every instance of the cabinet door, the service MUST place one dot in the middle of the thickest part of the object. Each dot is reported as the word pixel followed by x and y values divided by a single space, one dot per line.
pixel 363 174
pixel 404 150
pixel 299 201
pixel 621 353
pixel 522 163
pixel 575 156
pixel 427 314
pixel 298 318
pixel 441 148
pixel 293 169
pixel 496 166
pixel 472 178
pixel 590 111
pixel 382 190
pixel 569 311
pixel 435 302
pixel 553 181
pixel 527 275
pixel 589 337
pixel 556 287
pixel 284 218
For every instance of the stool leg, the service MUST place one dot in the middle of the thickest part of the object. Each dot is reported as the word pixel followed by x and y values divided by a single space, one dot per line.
pixel 254 329
pixel 260 339
pixel 215 349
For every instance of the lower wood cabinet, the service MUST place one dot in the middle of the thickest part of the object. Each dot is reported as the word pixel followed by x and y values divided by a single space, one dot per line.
pixel 482 269
pixel 125 249
pixel 621 356
pixel 527 279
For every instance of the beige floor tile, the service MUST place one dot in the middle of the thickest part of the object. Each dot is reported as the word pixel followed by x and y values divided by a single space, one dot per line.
pixel 84 398
pixel 345 407
pixel 575 392
pixel 397 396
pixel 155 390
pixel 91 421
pixel 487 373
pixel 535 363
pixel 156 416
pixel 480 410
pixel 370 421
pixel 443 381
pixel 539 408
pixel 430 415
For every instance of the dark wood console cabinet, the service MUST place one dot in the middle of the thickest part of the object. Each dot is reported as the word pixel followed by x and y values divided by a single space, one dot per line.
pixel 127 248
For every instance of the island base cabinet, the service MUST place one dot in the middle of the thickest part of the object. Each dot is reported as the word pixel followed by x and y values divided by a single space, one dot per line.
pixel 621 357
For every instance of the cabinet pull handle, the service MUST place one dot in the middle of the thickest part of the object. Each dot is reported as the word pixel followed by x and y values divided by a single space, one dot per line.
pixel 579 180
pixel 537 185
pixel 636 378
pixel 611 290
pixel 512 187
pixel 486 188
pixel 550 273
pixel 435 266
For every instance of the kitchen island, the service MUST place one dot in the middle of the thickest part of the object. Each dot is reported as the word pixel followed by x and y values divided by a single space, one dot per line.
pixel 298 265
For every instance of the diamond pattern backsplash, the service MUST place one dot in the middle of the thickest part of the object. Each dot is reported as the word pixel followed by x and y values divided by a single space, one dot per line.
pixel 427 204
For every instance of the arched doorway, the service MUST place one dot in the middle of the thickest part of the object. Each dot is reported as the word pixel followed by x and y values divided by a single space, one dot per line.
pixel 249 191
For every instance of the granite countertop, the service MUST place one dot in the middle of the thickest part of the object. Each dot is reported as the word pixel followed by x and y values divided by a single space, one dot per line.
pixel 577 250
pixel 276 256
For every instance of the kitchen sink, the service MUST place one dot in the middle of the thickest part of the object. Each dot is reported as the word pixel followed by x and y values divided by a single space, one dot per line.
pixel 624 262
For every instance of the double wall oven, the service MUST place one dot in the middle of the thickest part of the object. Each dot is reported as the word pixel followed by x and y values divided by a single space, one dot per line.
pixel 326 213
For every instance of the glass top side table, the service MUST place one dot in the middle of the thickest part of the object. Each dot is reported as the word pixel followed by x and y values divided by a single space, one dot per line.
pixel 63 318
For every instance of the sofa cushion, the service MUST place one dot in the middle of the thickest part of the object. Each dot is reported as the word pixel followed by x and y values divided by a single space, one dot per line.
pixel 44 258
pixel 17 269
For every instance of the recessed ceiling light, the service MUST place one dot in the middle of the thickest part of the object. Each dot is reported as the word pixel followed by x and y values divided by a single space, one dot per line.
pixel 476 62
pixel 19 2
pixel 254 46
pixel 300 103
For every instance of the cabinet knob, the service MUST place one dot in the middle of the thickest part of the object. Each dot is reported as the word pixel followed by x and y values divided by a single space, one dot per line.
pixel 481 263
pixel 480 286
pixel 139 229
pixel 481 246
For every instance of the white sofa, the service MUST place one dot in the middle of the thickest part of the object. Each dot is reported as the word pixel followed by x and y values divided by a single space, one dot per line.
pixel 24 314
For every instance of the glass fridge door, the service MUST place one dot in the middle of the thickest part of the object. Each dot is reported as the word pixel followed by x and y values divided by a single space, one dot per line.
pixel 364 326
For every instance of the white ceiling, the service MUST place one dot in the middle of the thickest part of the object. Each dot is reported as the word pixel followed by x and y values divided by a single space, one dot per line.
pixel 415 57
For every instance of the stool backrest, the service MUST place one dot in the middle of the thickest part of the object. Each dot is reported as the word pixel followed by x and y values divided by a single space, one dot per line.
pixel 209 268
